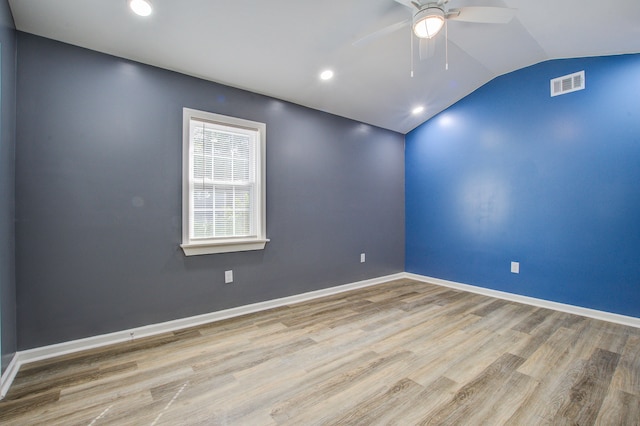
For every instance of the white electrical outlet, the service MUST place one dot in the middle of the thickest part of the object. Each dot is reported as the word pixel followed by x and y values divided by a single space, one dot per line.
pixel 362 258
pixel 228 277
pixel 515 267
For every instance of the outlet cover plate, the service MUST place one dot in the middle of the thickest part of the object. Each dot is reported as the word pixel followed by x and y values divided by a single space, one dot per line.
pixel 228 277
pixel 515 267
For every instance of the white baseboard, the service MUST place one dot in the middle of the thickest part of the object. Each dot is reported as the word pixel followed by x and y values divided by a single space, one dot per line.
pixel 64 348
pixel 541 303
pixel 9 374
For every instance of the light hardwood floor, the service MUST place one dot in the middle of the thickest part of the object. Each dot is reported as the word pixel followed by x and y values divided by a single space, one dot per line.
pixel 399 353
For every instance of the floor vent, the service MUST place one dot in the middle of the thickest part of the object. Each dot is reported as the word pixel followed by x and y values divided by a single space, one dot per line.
pixel 567 84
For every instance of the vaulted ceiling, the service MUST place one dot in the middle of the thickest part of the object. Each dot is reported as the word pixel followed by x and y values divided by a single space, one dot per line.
pixel 279 47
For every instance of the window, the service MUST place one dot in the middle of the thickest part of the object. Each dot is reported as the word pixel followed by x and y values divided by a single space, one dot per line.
pixel 223 205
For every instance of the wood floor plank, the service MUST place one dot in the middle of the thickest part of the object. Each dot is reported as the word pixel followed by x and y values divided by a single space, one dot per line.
pixel 551 393
pixel 463 405
pixel 357 389
pixel 589 391
pixel 549 354
pixel 490 308
pixel 501 318
pixel 446 355
pixel 472 364
pixel 418 406
pixel 538 336
pixel 61 381
pixel 421 334
pixel 627 375
pixel 19 406
pixel 505 400
pixel 534 319
pixel 291 409
pixel 391 403
pixel 619 408
pixel 612 338
pixel 399 353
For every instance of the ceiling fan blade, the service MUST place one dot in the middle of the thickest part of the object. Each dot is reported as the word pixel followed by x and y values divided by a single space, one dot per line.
pixel 480 14
pixel 408 3
pixel 381 33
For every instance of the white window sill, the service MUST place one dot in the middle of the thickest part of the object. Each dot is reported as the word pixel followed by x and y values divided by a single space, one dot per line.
pixel 223 246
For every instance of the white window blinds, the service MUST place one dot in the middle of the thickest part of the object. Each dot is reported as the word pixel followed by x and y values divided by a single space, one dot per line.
pixel 223 181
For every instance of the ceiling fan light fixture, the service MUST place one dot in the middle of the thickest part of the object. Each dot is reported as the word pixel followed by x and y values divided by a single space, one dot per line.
pixel 140 7
pixel 428 22
pixel 326 75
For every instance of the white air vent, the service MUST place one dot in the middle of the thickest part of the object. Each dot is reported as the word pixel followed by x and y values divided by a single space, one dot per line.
pixel 567 84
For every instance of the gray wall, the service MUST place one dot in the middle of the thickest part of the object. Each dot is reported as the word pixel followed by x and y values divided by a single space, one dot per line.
pixel 7 184
pixel 95 131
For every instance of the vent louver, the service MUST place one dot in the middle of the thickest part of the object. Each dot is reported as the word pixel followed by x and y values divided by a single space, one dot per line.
pixel 567 84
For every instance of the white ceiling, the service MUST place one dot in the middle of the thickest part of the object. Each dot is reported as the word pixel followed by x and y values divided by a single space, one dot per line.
pixel 278 47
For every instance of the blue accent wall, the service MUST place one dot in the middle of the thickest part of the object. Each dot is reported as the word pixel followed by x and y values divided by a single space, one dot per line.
pixel 512 174
pixel 7 185
pixel 98 207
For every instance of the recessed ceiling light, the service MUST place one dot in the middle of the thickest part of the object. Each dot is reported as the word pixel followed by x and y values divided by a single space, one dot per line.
pixel 417 110
pixel 326 75
pixel 140 7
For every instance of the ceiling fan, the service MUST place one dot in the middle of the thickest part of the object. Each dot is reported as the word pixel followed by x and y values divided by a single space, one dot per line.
pixel 429 17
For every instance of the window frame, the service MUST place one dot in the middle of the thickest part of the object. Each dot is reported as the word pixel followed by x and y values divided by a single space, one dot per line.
pixel 215 245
